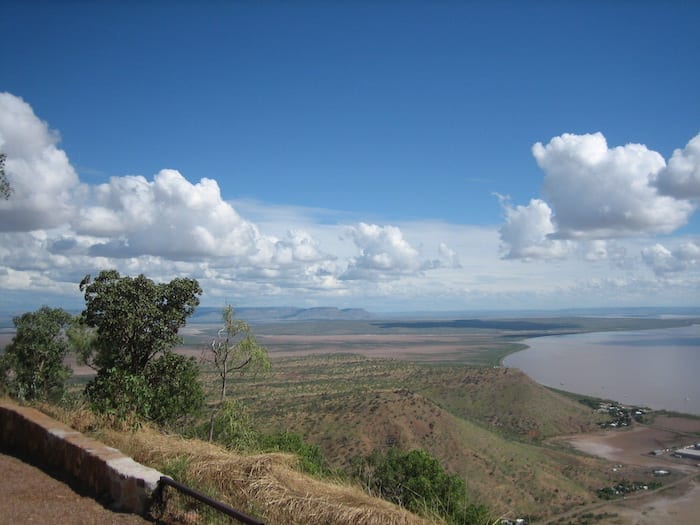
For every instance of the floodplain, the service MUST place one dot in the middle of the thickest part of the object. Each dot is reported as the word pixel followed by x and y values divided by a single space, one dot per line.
pixel 526 451
pixel 351 387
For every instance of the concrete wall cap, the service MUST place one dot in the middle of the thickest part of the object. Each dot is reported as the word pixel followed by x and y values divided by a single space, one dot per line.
pixel 127 467
pixel 63 433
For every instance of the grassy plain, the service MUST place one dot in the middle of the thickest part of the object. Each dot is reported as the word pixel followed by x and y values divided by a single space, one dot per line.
pixel 351 387
pixel 355 386
pixel 477 342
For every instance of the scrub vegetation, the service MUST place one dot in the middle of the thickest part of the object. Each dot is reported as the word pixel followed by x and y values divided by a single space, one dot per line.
pixel 317 421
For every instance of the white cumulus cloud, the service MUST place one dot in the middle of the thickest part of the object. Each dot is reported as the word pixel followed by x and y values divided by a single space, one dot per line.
pixel 681 178
pixel 168 217
pixel 42 179
pixel 664 261
pixel 383 253
pixel 594 193
pixel 526 233
pixel 55 227
pixel 601 192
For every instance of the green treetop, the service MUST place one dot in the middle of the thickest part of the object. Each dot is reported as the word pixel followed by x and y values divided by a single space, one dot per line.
pixel 32 365
pixel 129 328
pixel 135 319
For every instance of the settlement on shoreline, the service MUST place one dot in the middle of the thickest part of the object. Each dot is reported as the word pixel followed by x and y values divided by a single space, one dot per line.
pixel 649 447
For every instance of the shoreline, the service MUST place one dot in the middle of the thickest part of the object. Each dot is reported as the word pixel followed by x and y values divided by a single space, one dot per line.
pixel 658 406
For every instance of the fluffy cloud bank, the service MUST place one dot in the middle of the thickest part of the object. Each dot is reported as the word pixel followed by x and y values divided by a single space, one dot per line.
pixel 42 179
pixel 597 203
pixel 665 262
pixel 383 253
pixel 681 178
pixel 594 193
pixel 528 229
pixel 54 229
pixel 168 217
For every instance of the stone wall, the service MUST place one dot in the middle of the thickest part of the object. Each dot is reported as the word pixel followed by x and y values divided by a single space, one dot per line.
pixel 107 473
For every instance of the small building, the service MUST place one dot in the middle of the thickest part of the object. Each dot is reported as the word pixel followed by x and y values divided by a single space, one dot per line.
pixel 688 453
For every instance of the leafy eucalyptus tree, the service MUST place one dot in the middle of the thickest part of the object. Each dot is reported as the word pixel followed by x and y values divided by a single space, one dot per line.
pixel 129 328
pixel 135 319
pixel 32 366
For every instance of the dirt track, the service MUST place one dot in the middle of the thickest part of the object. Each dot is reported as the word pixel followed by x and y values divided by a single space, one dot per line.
pixel 679 502
pixel 30 495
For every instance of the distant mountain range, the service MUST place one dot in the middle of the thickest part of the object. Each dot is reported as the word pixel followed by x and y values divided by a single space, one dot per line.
pixel 207 314
pixel 270 314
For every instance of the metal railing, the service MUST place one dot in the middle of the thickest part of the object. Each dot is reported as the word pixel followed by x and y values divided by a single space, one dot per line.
pixel 193 513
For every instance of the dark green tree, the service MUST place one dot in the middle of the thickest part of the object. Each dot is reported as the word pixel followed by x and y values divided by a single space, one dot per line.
pixel 417 481
pixel 135 319
pixel 167 390
pixel 32 366
pixel 120 394
pixel 5 188
pixel 129 328
pixel 174 383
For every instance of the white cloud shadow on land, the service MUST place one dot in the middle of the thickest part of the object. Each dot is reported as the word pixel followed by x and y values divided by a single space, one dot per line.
pixel 593 192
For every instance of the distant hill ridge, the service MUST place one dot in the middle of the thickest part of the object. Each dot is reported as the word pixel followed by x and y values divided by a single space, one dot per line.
pixel 208 314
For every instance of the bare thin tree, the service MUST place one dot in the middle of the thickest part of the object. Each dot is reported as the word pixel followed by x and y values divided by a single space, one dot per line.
pixel 234 349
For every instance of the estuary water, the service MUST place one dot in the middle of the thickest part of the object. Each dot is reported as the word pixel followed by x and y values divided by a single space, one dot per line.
pixel 659 369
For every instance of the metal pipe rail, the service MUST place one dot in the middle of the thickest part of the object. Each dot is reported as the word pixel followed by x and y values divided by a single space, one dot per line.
pixel 221 507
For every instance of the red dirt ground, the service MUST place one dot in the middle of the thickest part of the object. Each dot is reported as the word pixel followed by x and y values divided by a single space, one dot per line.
pixel 30 495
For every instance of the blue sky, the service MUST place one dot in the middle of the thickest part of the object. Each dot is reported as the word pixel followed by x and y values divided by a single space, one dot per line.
pixel 371 154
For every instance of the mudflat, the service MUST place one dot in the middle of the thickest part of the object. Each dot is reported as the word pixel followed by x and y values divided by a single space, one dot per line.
pixel 680 502
pixel 394 346
pixel 634 445
pixel 679 505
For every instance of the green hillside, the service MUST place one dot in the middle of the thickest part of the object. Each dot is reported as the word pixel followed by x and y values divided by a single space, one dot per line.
pixel 480 422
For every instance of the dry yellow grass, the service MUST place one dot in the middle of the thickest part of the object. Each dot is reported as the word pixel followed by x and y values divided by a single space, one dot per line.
pixel 266 485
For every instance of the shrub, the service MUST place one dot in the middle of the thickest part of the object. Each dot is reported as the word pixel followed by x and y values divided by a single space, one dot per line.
pixel 175 388
pixel 311 458
pixel 32 366
pixel 417 481
pixel 232 427
pixel 167 391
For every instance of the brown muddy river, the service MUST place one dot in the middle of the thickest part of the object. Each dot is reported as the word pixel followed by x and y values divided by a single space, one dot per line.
pixel 655 368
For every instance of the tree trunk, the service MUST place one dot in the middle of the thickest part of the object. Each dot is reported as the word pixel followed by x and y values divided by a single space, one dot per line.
pixel 223 382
